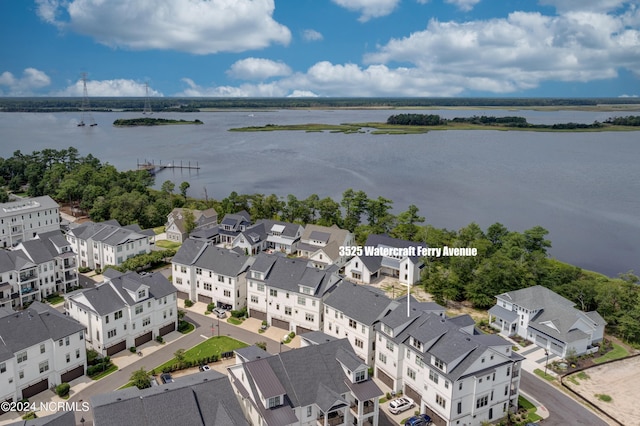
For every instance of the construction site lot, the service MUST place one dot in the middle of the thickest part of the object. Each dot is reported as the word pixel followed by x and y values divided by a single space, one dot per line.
pixel 613 387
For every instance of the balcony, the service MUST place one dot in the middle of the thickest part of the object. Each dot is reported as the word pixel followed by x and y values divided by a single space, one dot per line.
pixel 27 276
pixel 27 290
pixel 368 407
pixel 333 419
pixel 516 373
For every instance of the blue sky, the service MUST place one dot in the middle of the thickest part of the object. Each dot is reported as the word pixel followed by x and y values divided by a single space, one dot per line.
pixel 328 48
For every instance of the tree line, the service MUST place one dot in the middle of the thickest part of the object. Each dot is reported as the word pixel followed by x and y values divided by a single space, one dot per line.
pixel 507 260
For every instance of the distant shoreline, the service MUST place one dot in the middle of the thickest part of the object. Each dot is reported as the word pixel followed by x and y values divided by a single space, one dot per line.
pixel 136 122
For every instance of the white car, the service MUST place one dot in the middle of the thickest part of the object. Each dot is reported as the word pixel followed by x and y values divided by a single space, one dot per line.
pixel 399 405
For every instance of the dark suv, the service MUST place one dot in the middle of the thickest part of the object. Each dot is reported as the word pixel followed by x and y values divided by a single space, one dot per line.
pixel 166 378
pixel 419 420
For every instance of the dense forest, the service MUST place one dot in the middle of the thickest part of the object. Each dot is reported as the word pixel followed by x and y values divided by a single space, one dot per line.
pixel 507 260
pixel 519 122
pixel 42 104
pixel 148 121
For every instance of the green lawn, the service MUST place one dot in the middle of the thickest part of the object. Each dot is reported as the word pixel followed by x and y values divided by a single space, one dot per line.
pixel 211 346
pixel 105 372
pixel 55 299
pixel 541 374
pixel 166 244
pixel 158 230
pixel 234 321
pixel 616 353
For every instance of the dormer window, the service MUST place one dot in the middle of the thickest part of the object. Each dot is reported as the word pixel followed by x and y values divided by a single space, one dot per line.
pixel 142 294
pixel 274 402
pixel 416 343
pixel 361 376
pixel 387 330
pixel 439 363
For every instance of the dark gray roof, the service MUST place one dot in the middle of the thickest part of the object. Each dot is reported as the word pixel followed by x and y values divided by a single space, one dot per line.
pixel 26 205
pixel 251 353
pixel 265 379
pixel 288 229
pixel 349 359
pixel 37 251
pixel 398 317
pixel 536 297
pixel 205 233
pixel 364 391
pixel 362 303
pixel 42 322
pixel 320 236
pixel 288 274
pixel 503 313
pixel 199 399
pixel 207 256
pixel 317 337
pixel 109 232
pixel 189 251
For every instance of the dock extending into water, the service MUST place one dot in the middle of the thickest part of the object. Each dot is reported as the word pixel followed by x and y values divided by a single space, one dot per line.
pixel 153 168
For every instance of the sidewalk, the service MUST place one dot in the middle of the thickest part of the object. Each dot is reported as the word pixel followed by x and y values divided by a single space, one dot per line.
pixel 541 410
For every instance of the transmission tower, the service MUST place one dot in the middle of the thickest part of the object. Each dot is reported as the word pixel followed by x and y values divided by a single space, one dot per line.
pixel 147 104
pixel 85 108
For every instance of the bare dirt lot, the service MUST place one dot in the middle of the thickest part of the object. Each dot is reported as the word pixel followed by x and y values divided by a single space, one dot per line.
pixel 619 380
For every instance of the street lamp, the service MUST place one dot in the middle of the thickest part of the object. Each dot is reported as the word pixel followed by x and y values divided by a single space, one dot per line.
pixel 546 352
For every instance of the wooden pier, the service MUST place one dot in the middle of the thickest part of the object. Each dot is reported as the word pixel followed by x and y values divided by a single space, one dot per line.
pixel 154 168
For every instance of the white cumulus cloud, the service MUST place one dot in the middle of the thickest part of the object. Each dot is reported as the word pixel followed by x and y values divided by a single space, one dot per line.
pixel 465 5
pixel 369 8
pixel 195 26
pixel 258 69
pixel 31 79
pixel 311 35
pixel 116 88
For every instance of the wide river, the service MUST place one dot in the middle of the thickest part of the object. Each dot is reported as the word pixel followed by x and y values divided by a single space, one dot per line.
pixel 583 187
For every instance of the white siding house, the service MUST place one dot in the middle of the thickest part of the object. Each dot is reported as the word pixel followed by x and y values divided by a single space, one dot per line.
pixel 22 220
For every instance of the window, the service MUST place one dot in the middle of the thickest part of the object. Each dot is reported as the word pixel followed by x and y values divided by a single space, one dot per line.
pixel 459 407
pixel 178 280
pixel 274 402
pixel 390 345
pixel 302 300
pixel 308 317
pixel 441 401
pixel 183 269
pixel 287 310
pixel 117 315
pixel 44 366
pixel 198 271
pixel 353 324
pixel 382 357
pixel 146 321
pixel 220 278
pixel 77 353
pixel 21 374
pixel 227 293
pixel 387 329
pixel 111 333
pixel 481 402
pixel 22 357
pixel 433 376
pixel 3 367
pixel 359 343
pixel 508 371
pixel 260 287
pixel 60 342
pixel 207 286
pixel 81 335
pixel 361 376
pixel 141 294
pixel 438 363
pixel 42 348
pixel 66 341
pixel 106 319
pixel 139 309
pixel 309 411
pixel 411 373
pixel 254 299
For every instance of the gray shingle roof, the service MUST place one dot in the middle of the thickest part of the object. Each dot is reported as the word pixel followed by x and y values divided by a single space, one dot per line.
pixel 288 229
pixel 27 205
pixel 362 303
pixel 41 321
pixel 61 418
pixel 536 297
pixel 200 399
pixel 109 232
pixel 287 274
pixel 207 256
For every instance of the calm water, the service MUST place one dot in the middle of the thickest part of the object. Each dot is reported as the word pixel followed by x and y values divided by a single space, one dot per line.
pixel 583 188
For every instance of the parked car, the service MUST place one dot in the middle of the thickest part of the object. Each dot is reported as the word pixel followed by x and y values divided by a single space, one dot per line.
pixel 419 420
pixel 220 313
pixel 166 378
pixel 205 368
pixel 399 405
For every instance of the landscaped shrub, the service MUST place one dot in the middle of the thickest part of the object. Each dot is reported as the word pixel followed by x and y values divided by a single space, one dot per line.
pixel 132 349
pixel 239 313
pixel 188 303
pixel 211 307
pixel 292 335
pixel 63 389
pixel 159 339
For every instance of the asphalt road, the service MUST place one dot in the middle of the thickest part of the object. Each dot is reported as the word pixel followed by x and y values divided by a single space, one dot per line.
pixel 562 409
pixel 203 327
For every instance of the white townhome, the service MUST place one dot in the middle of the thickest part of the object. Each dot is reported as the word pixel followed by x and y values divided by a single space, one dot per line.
pixel 177 226
pixel 547 319
pixel 39 348
pixel 210 274
pixel 22 220
pixel 383 255
pixel 324 245
pixel 289 293
pixel 126 310
pixel 31 271
pixel 455 374
pixel 282 236
pixel 66 260
pixel 353 311
pixel 108 243
pixel 320 385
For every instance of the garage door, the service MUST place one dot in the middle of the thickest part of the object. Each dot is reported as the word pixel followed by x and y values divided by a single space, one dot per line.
pixel 183 295
pixel 143 339
pixel 385 378
pixel 541 341
pixel 117 348
pixel 258 314
pixel 435 418
pixel 302 330
pixel 411 393
pixel 35 389
pixel 72 374
pixel 280 324
pixel 167 328
pixel 205 299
